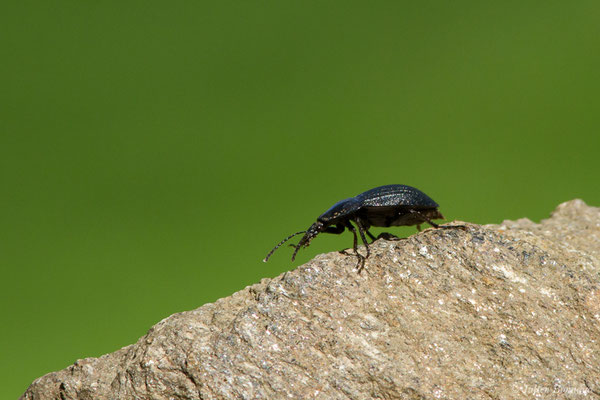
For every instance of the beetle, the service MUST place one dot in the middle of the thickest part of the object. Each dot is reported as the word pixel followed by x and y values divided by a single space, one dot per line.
pixel 383 206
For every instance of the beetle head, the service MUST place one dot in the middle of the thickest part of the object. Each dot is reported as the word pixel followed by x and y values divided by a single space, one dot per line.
pixel 311 232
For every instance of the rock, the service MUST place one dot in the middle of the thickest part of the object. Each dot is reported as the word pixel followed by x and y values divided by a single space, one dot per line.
pixel 508 311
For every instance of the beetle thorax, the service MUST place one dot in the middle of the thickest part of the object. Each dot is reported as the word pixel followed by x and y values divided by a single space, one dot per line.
pixel 340 210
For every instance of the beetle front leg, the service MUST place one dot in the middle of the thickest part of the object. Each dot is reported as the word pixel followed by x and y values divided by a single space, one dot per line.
pixel 361 231
pixel 355 242
pixel 336 230
pixel 339 228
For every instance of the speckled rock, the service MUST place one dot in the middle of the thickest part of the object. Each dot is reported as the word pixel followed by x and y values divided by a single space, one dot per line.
pixel 508 311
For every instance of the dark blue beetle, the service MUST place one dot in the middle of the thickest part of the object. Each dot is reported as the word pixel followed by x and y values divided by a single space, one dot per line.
pixel 390 205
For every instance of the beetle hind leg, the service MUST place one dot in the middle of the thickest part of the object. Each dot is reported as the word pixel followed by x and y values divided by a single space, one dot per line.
pixel 430 222
pixel 388 236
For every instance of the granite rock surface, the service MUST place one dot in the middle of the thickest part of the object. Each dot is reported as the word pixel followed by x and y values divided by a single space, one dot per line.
pixel 509 311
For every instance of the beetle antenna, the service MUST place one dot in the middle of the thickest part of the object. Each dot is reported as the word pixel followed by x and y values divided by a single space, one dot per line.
pixel 280 243
pixel 297 247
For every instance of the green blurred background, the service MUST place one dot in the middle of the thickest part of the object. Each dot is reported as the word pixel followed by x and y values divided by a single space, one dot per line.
pixel 152 153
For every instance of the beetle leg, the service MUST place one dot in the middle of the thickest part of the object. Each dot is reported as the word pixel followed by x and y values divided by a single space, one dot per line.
pixel 361 231
pixel 425 218
pixel 355 242
pixel 339 228
pixel 352 229
pixel 430 222
pixel 388 236
pixel 373 238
